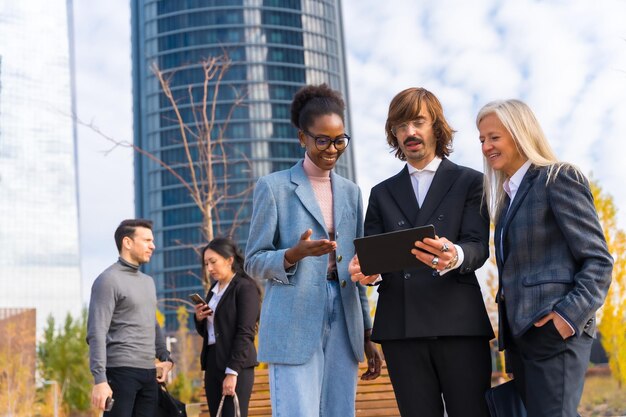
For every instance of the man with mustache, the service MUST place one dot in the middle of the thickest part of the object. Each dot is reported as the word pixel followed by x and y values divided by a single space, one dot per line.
pixel 431 321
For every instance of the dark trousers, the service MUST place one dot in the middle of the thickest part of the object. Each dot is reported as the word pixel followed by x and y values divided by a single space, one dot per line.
pixel 134 391
pixel 422 370
pixel 213 379
pixel 549 372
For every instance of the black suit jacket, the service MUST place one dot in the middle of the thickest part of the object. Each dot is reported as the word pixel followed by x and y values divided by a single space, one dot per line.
pixel 235 322
pixel 414 303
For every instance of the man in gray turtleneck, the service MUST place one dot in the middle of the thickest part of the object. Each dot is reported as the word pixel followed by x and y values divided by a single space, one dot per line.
pixel 122 332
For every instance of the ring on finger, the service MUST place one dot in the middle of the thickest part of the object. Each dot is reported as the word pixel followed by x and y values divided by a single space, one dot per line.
pixel 435 261
pixel 445 247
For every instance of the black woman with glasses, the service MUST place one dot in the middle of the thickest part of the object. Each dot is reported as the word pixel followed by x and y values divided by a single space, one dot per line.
pixel 315 322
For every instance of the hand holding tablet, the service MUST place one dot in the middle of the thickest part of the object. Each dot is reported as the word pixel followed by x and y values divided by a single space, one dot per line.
pixel 388 252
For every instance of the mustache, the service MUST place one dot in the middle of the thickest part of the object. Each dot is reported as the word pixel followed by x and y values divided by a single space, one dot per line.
pixel 413 139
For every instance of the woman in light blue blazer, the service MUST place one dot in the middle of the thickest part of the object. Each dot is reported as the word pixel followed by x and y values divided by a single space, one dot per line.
pixel 553 262
pixel 315 322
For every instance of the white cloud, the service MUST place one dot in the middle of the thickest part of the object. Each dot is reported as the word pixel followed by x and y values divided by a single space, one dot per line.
pixel 567 59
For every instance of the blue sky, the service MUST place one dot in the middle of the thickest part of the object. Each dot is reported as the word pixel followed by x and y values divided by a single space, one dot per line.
pixel 566 59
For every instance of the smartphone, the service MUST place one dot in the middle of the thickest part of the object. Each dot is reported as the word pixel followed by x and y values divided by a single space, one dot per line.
pixel 108 405
pixel 197 299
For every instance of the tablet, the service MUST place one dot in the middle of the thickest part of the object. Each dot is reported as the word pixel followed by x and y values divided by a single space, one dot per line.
pixel 388 252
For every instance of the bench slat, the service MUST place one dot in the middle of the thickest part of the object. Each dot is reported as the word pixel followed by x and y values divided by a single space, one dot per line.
pixel 373 398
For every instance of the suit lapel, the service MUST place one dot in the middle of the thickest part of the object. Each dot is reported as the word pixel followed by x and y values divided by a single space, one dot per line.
pixel 305 193
pixel 401 190
pixel 527 183
pixel 339 200
pixel 445 176
pixel 525 186
pixel 498 233
pixel 231 287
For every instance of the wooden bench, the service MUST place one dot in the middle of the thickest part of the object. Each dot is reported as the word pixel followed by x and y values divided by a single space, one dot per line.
pixel 373 398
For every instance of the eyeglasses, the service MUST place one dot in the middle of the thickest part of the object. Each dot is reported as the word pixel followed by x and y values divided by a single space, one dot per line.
pixel 323 142
pixel 403 128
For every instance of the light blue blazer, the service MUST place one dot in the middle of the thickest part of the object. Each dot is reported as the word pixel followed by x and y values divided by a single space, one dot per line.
pixel 293 306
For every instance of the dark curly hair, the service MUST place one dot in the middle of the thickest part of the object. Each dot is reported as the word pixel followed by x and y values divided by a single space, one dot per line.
pixel 312 101
pixel 405 106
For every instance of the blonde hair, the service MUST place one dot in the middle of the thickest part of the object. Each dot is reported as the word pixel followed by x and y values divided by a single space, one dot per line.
pixel 520 121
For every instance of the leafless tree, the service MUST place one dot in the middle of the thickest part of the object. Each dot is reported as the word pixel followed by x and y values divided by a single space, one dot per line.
pixel 203 141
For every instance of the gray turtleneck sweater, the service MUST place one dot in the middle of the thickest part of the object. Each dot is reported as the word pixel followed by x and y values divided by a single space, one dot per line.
pixel 122 329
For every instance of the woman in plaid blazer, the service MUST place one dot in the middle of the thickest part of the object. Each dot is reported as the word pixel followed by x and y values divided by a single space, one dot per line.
pixel 553 262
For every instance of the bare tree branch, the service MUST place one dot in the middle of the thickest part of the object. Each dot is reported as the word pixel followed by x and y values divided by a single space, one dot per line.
pixel 202 133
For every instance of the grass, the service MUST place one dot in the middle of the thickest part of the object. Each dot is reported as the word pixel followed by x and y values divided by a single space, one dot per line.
pixel 602 397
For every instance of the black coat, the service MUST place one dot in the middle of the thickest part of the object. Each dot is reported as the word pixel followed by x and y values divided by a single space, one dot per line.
pixel 413 303
pixel 235 322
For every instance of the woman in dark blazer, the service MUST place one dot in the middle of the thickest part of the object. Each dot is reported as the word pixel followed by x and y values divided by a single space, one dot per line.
pixel 227 324
pixel 553 263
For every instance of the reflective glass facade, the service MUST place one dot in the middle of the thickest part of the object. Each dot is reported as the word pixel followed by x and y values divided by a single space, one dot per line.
pixel 39 246
pixel 276 46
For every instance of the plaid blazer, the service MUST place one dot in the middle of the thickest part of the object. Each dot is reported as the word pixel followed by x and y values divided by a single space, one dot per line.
pixel 551 253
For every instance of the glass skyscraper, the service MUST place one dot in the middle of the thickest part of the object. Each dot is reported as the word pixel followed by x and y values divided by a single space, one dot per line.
pixel 39 243
pixel 276 46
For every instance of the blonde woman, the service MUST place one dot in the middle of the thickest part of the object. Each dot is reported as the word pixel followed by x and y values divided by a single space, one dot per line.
pixel 553 263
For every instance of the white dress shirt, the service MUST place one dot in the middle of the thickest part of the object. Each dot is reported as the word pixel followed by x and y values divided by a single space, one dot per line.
pixel 421 179
pixel 512 184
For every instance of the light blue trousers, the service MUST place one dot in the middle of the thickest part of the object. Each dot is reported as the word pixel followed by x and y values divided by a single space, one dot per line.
pixel 324 386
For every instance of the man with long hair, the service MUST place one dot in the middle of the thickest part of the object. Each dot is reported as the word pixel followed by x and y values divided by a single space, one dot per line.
pixel 431 321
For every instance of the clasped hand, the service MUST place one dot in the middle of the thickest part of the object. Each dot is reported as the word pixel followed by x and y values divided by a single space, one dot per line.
pixel 202 311
pixel 99 394
pixel 229 384
pixel 166 366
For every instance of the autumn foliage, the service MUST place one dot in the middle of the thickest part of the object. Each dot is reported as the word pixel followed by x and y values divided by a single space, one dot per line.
pixel 17 362
pixel 612 316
